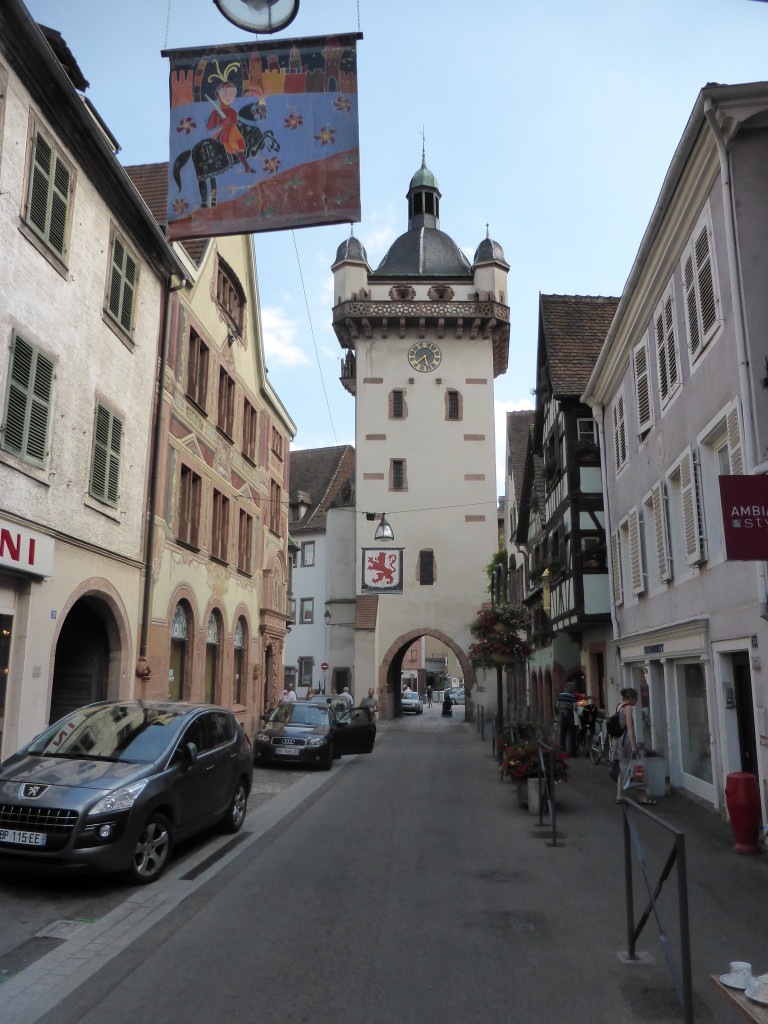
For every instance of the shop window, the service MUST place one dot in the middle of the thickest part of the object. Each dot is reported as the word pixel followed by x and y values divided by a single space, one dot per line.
pixel 695 748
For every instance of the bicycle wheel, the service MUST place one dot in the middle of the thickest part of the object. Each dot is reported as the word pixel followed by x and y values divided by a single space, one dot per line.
pixel 596 750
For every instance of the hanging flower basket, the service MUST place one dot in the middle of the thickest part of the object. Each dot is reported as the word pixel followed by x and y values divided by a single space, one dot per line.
pixel 500 636
pixel 500 628
pixel 501 659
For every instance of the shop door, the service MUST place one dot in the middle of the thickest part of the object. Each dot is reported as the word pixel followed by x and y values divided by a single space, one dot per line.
pixel 80 670
pixel 745 716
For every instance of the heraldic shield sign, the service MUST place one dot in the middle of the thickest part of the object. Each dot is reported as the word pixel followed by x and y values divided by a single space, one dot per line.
pixel 263 136
pixel 382 570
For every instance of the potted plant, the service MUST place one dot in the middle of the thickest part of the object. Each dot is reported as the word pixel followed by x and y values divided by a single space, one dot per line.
pixel 521 764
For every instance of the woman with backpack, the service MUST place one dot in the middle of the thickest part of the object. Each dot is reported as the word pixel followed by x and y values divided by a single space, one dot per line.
pixel 625 745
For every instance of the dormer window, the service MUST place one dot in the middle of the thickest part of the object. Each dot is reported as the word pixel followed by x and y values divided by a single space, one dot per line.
pixel 230 297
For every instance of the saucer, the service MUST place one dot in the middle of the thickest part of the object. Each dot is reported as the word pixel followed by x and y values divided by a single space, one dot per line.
pixel 752 992
pixel 735 981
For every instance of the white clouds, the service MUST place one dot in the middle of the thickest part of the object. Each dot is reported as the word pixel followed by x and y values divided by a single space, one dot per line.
pixel 280 345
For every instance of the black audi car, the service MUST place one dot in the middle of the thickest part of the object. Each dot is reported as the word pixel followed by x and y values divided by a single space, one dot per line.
pixel 113 785
pixel 312 733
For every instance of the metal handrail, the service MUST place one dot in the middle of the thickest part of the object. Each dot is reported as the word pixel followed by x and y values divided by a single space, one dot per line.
pixel 683 986
pixel 547 787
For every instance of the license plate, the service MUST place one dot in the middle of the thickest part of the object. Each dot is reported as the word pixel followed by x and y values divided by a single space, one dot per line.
pixel 8 835
pixel 288 751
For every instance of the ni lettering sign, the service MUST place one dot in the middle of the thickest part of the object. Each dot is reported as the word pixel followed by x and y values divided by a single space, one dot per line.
pixel 263 136
pixel 382 570
pixel 744 501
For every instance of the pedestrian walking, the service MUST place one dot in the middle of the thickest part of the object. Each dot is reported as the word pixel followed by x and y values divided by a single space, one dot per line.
pixel 370 702
pixel 566 710
pixel 288 694
pixel 429 695
pixel 625 746
pixel 347 696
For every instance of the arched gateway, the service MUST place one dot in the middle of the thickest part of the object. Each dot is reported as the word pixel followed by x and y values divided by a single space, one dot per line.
pixel 388 682
pixel 424 335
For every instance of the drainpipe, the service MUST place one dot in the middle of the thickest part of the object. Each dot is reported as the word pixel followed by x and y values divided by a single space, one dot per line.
pixel 747 409
pixel 597 415
pixel 143 669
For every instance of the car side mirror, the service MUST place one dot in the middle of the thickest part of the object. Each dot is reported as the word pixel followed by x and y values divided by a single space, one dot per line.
pixel 190 754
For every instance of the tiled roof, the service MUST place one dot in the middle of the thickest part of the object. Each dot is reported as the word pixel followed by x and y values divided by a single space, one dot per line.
pixel 572 329
pixel 320 474
pixel 151 182
pixel 519 426
pixel 366 606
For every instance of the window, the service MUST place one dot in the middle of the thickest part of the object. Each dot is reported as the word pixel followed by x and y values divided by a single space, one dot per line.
pixel 397 405
pixel 179 639
pixel 277 442
pixel 585 431
pixel 239 662
pixel 308 553
pixel 720 454
pixel 426 568
pixel 619 434
pixel 250 432
pixel 306 667
pixel 190 495
pixel 211 659
pixel 452 405
pixel 667 355
pixel 197 370
pixel 28 403
pixel 307 609
pixel 105 457
pixel 226 408
pixel 274 507
pixel 685 520
pixel 220 527
pixel 245 542
pixel 643 401
pixel 397 475
pixel 49 194
pixel 121 286
pixel 701 294
pixel 229 296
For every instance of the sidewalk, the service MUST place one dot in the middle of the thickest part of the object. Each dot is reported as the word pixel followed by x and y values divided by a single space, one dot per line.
pixel 584 874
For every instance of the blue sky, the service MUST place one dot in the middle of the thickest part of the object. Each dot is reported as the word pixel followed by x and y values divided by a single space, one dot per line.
pixel 551 121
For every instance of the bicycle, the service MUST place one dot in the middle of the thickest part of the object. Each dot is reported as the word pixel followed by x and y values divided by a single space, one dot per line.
pixel 600 747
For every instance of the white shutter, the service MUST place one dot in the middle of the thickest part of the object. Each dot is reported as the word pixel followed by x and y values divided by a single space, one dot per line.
pixel 642 388
pixel 691 509
pixel 619 433
pixel 661 356
pixel 673 368
pixel 705 284
pixel 691 309
pixel 735 456
pixel 658 503
pixel 618 589
pixel 635 553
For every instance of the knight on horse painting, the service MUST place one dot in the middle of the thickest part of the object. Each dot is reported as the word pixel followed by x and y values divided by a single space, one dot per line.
pixel 236 137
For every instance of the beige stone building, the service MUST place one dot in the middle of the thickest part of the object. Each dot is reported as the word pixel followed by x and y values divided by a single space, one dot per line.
pixel 217 605
pixel 425 334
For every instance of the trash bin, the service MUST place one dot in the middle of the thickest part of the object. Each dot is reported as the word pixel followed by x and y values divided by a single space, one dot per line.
pixel 742 798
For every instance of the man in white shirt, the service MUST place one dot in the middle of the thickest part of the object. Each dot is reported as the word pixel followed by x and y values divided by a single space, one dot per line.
pixel 347 696
pixel 288 694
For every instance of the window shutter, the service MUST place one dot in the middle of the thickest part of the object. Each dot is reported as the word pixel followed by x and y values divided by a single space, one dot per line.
pixel 48 200
pixel 735 456
pixel 660 529
pixel 30 386
pixel 642 389
pixel 59 206
pixel 636 553
pixel 121 285
pixel 40 405
pixel 706 284
pixel 40 184
pixel 107 442
pixel 689 280
pixel 669 332
pixel 691 511
pixel 661 357
pixel 618 590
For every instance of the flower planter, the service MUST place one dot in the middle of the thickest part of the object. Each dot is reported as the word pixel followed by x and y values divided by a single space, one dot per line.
pixel 533 796
pixel 501 659
pixel 522 792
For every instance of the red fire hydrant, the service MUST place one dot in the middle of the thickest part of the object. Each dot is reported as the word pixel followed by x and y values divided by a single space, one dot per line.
pixel 742 799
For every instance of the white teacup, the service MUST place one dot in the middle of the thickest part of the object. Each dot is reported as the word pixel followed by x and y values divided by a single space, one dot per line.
pixel 740 975
pixel 759 987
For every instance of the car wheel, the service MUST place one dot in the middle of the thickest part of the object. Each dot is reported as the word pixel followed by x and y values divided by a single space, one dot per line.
pixel 153 850
pixel 235 816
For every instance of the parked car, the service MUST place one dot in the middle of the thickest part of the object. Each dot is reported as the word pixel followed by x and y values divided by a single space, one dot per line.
pixel 411 701
pixel 313 733
pixel 456 694
pixel 113 786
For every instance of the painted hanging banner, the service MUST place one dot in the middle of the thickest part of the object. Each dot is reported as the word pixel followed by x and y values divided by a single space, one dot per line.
pixel 744 501
pixel 263 136
pixel 382 570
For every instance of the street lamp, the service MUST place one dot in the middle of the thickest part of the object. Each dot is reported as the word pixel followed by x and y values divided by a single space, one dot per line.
pixel 383 531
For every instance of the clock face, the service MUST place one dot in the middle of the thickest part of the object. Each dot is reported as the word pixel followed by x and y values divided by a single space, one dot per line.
pixel 424 356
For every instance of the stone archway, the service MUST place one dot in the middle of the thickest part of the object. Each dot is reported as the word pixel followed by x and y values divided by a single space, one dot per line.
pixel 389 671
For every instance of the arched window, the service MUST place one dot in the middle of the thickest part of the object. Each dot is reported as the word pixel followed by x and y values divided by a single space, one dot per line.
pixel 237 678
pixel 211 658
pixel 179 639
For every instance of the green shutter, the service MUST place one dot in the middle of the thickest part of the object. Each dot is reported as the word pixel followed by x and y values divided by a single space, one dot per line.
pixel 122 283
pixel 105 462
pixel 30 386
pixel 48 199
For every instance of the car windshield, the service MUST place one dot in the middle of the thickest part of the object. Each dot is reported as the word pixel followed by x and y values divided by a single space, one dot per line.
pixel 301 714
pixel 115 732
